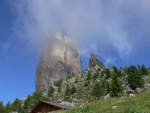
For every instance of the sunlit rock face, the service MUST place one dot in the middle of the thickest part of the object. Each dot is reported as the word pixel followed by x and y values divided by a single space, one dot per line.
pixel 60 58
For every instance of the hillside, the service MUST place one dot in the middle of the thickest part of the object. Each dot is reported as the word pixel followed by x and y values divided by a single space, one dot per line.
pixel 85 82
pixel 138 104
pixel 91 88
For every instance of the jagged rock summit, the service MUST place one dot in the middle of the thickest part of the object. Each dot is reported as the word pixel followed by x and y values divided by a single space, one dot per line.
pixel 60 58
pixel 93 60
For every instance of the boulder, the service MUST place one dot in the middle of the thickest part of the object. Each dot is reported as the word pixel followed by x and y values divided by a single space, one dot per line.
pixel 129 90
pixel 147 86
pixel 138 90
pixel 114 107
pixel 107 97
pixel 131 95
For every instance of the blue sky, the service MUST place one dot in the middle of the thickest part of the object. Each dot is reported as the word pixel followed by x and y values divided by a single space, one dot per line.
pixel 116 31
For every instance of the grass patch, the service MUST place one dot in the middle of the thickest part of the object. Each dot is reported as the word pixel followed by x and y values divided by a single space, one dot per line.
pixel 138 104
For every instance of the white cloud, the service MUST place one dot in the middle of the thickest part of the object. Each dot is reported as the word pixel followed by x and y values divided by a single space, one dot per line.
pixel 109 60
pixel 113 25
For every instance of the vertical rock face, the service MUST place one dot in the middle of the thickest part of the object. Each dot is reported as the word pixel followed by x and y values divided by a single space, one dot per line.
pixel 93 60
pixel 60 58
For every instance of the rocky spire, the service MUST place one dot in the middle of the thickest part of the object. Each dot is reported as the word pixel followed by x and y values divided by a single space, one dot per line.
pixel 60 58
pixel 93 60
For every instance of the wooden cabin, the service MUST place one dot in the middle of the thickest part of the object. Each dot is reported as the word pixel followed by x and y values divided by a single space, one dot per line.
pixel 47 107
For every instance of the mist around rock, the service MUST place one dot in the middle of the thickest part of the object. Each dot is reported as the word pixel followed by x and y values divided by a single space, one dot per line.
pixel 60 59
pixel 110 29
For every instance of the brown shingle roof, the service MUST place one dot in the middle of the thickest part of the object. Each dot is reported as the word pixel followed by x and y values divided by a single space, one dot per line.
pixel 57 104
pixel 61 106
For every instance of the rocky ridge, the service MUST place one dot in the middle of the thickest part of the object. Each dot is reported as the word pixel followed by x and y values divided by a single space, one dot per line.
pixel 93 61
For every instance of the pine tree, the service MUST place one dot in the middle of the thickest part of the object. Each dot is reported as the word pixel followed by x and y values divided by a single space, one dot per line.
pixel 51 91
pixel 86 84
pixel 68 77
pixel 108 74
pixel 1 107
pixel 98 90
pixel 58 83
pixel 116 86
pixel 116 71
pixel 76 80
pixel 102 73
pixel 104 83
pixel 126 69
pixel 68 90
pixel 89 75
pixel 17 106
pixel 8 108
pixel 143 70
pixel 108 89
pixel 59 89
pixel 96 74
pixel 27 103
pixel 34 99
pixel 134 78
pixel 73 90
pixel 139 68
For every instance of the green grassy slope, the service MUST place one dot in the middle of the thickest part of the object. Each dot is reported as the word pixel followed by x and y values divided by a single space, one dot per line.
pixel 138 104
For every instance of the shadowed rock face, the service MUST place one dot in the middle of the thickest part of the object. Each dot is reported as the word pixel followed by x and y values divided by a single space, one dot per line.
pixel 60 58
pixel 93 60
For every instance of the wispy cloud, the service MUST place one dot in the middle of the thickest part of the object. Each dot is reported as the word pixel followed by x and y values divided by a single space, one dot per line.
pixel 108 60
pixel 97 25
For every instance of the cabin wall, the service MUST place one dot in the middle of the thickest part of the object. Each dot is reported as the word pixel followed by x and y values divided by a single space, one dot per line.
pixel 44 108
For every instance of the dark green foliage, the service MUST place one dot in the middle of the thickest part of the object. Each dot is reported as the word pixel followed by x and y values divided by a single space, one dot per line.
pixel 73 75
pixel 73 90
pixel 32 100
pixel 108 74
pixel 144 70
pixel 82 75
pixel 139 69
pixel 126 69
pixel 1 107
pixel 58 83
pixel 26 105
pixel 96 75
pixel 98 90
pixel 93 65
pixel 116 71
pixel 102 73
pixel 121 68
pixel 8 108
pixel 68 90
pixel 76 80
pixel 69 77
pixel 116 88
pixel 50 91
pixel 134 78
pixel 89 75
pixel 17 106
pixel 108 88
pixel 38 96
pixel 104 83
pixel 120 73
pixel 86 84
pixel 59 89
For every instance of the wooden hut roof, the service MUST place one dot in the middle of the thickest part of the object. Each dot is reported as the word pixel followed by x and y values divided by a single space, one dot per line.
pixel 57 105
